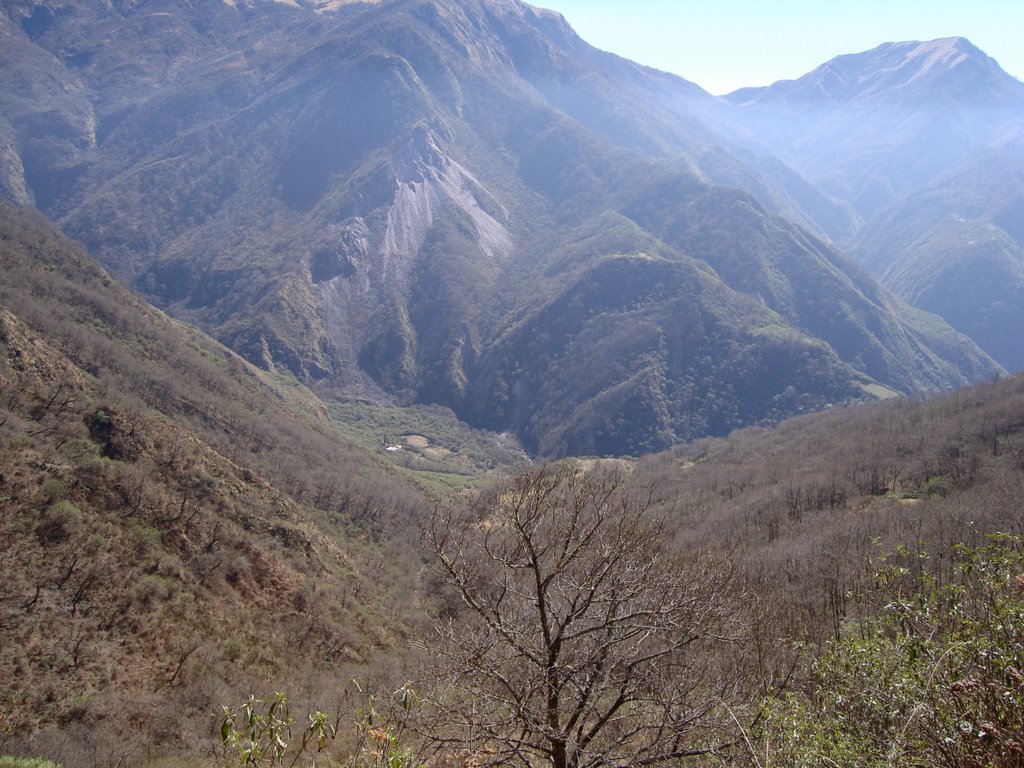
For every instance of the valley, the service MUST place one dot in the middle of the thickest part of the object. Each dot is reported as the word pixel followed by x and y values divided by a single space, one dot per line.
pixel 387 360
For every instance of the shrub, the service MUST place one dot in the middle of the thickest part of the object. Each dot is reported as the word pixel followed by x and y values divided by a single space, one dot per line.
pixel 258 734
pixel 152 588
pixel 58 522
pixel 936 680
pixel 54 489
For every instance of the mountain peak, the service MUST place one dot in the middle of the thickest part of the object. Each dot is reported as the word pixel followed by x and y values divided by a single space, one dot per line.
pixel 923 105
pixel 945 54
pixel 316 5
pixel 943 45
pixel 933 70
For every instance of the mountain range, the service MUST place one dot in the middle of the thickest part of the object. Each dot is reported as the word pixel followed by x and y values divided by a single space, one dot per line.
pixel 925 140
pixel 180 529
pixel 463 203
pixel 362 222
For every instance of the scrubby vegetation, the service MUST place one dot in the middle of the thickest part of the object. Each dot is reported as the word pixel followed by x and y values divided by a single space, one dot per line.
pixel 809 501
pixel 932 675
pixel 254 554
pixel 174 522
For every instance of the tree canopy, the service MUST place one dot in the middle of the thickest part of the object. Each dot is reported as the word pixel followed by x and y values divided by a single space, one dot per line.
pixel 585 636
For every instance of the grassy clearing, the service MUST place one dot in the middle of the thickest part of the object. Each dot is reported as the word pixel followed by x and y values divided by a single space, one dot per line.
pixel 25 762
pixel 438 451
pixel 881 392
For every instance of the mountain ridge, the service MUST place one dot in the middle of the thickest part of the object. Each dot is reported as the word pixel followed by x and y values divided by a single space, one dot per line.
pixel 955 247
pixel 871 127
pixel 922 138
pixel 383 250
pixel 880 71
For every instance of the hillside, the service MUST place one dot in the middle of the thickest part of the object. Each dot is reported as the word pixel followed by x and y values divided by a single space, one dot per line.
pixel 175 524
pixel 956 248
pixel 396 251
pixel 181 528
pixel 809 502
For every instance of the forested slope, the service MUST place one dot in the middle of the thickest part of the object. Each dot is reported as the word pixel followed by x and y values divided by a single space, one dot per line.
pixel 808 502
pixel 174 523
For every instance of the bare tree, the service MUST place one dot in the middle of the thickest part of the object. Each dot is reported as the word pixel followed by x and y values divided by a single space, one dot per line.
pixel 587 641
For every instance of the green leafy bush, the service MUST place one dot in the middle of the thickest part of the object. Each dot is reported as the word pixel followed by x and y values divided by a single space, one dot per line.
pixel 25 762
pixel 936 680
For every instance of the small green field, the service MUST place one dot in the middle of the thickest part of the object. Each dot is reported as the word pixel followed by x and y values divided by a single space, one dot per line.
pixel 440 452
pixel 879 391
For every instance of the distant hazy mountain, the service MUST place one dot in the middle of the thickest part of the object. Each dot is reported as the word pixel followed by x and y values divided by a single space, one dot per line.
pixel 927 141
pixel 956 248
pixel 872 127
pixel 452 202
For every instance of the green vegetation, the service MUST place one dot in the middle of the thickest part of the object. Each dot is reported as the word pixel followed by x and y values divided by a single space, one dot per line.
pixel 429 442
pixel 934 677
pixel 882 393
pixel 259 734
pixel 25 762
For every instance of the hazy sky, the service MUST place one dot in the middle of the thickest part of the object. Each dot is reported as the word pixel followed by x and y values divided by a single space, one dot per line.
pixel 725 44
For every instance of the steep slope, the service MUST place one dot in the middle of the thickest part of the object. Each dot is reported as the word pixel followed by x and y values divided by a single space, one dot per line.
pixel 729 316
pixel 370 199
pixel 175 525
pixel 956 248
pixel 872 127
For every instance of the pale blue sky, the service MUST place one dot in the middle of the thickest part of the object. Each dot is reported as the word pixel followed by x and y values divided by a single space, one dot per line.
pixel 726 44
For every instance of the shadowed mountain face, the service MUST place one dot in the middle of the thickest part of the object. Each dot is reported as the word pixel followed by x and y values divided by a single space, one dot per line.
pixel 460 203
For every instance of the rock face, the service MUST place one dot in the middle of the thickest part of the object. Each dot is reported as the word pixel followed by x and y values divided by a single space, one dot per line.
pixel 452 202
